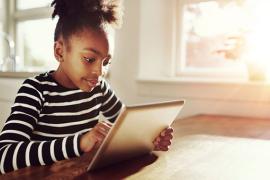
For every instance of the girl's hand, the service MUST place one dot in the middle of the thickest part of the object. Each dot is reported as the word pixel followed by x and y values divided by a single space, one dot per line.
pixel 163 141
pixel 93 139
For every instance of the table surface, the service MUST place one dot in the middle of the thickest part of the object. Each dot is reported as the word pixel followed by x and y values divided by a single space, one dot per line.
pixel 204 147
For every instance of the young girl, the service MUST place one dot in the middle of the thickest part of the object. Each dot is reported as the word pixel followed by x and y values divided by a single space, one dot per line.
pixel 55 114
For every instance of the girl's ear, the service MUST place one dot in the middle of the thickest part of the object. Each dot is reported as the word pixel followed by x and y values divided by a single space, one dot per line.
pixel 58 50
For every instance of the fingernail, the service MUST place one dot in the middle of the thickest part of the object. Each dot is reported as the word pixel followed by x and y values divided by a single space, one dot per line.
pixel 163 134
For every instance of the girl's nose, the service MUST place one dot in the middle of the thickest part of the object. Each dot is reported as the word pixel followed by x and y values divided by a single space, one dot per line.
pixel 97 69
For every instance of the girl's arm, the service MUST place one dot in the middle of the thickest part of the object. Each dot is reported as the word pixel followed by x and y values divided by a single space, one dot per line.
pixel 111 105
pixel 17 150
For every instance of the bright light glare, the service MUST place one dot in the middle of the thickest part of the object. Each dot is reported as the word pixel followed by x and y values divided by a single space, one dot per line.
pixel 229 19
pixel 209 23
pixel 28 4
pixel 258 51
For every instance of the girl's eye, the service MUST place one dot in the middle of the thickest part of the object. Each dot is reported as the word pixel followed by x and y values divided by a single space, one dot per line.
pixel 90 60
pixel 105 63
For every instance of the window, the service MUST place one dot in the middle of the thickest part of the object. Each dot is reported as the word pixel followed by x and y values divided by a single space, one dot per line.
pixel 35 44
pixel 2 35
pixel 222 38
pixel 28 4
pixel 33 30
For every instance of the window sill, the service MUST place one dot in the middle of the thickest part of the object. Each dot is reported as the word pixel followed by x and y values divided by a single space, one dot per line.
pixel 177 80
pixel 210 89
pixel 10 74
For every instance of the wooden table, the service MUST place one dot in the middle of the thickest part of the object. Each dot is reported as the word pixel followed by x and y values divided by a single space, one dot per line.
pixel 204 147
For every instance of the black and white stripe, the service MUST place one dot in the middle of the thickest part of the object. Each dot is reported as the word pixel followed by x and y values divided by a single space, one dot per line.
pixel 47 121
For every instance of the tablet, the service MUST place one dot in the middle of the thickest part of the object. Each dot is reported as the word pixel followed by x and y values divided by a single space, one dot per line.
pixel 134 131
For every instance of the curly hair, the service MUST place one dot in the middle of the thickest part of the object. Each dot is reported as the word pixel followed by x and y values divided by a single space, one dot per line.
pixel 74 15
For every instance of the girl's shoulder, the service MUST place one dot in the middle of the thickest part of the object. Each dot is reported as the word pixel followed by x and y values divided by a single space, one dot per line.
pixel 43 79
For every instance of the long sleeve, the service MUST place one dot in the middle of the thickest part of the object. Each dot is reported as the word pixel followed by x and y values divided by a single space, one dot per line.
pixel 111 104
pixel 17 150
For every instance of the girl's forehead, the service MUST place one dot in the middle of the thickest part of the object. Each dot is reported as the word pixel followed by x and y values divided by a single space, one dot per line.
pixel 88 33
pixel 89 38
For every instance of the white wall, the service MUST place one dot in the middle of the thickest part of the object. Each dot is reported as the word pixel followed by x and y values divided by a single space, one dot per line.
pixel 8 91
pixel 125 66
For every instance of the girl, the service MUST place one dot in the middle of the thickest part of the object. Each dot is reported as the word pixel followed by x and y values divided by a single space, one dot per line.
pixel 55 114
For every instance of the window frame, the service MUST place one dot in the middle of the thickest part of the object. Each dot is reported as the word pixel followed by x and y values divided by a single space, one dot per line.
pixel 209 73
pixel 14 16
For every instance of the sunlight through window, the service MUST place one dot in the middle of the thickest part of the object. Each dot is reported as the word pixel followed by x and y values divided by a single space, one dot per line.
pixel 232 35
pixel 28 4
pixel 35 44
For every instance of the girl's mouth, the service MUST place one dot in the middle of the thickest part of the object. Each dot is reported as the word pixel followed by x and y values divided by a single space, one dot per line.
pixel 91 82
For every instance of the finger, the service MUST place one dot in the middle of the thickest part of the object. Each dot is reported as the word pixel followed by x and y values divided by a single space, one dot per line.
pixel 167 137
pixel 163 133
pixel 156 143
pixel 169 130
pixel 104 125
pixel 164 148
pixel 100 136
pixel 109 124
pixel 156 146
pixel 161 148
pixel 158 139
pixel 102 129
pixel 166 131
pixel 165 143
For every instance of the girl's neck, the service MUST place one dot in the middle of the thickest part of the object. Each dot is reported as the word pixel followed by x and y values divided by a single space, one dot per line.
pixel 60 77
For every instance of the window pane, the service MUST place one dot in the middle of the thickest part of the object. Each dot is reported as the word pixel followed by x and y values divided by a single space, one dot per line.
pixel 27 4
pixel 35 44
pixel 207 27
pixel 230 35
pixel 3 43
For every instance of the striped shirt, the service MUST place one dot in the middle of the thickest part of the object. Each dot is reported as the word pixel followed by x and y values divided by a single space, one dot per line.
pixel 47 121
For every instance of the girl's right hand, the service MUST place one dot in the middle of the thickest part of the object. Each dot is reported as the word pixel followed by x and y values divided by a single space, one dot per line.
pixel 93 139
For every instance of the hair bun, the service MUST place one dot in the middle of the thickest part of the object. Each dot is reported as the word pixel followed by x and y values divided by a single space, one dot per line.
pixel 59 8
pixel 64 8
pixel 109 11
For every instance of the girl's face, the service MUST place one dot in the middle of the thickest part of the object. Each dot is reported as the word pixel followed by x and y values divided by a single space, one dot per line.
pixel 83 57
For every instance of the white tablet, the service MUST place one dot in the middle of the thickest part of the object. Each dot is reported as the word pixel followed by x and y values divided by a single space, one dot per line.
pixel 134 131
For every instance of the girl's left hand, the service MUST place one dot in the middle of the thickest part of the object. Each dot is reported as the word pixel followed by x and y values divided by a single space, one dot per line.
pixel 163 141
